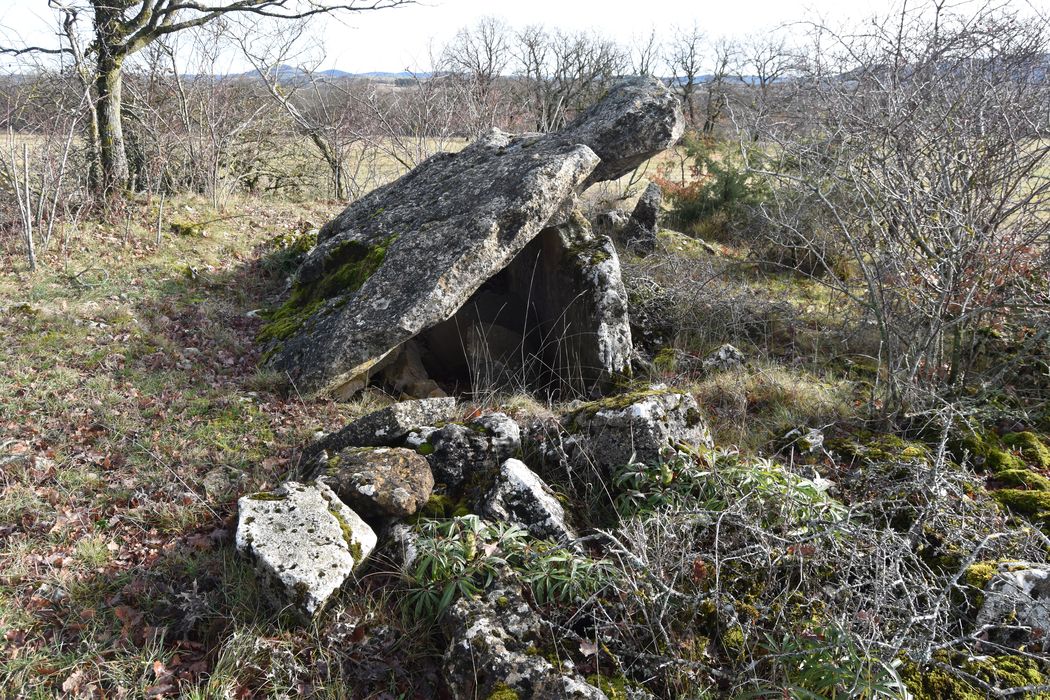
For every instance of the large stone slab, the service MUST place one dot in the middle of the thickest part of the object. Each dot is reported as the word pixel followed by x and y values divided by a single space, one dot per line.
pixel 409 255
pixel 304 541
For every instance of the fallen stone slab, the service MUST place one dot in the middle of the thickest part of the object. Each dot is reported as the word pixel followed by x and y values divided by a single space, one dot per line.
pixel 410 255
pixel 521 497
pixel 378 482
pixel 304 541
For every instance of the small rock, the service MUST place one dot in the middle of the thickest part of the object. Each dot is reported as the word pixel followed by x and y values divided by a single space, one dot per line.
pixel 520 496
pixel 726 357
pixel 1017 601
pixel 378 481
pixel 804 440
pixel 304 541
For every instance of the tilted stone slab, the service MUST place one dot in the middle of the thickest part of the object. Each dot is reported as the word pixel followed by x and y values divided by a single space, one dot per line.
pixel 409 255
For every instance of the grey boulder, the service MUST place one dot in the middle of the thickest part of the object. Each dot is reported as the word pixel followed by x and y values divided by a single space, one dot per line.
pixel 304 541
pixel 1016 608
pixel 378 482
pixel 521 497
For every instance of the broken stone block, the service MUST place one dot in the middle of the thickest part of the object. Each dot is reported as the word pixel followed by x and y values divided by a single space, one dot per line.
pixel 520 496
pixel 387 427
pixel 1017 606
pixel 639 235
pixel 304 541
pixel 378 482
pixel 457 452
pixel 635 427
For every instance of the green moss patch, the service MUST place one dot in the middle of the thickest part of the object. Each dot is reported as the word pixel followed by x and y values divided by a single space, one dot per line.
pixel 345 270
pixel 1033 450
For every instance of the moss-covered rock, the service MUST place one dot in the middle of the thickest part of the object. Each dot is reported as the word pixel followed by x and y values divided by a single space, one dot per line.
pixel 1034 451
pixel 345 270
pixel 937 681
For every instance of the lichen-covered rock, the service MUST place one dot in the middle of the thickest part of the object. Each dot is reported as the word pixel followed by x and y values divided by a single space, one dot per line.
pixel 409 255
pixel 304 541
pixel 639 234
pixel 520 496
pixel 638 119
pixel 492 650
pixel 1017 606
pixel 378 482
pixel 636 426
pixel 458 452
pixel 387 427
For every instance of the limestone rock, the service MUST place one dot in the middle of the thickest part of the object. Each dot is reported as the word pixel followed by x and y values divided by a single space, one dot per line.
pixel 304 541
pixel 638 119
pixel 378 482
pixel 639 235
pixel 612 431
pixel 725 358
pixel 520 496
pixel 611 222
pixel 387 427
pixel 408 256
pixel 489 650
pixel 457 452
pixel 1017 602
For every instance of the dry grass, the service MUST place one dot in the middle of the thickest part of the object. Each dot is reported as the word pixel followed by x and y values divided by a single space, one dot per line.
pixel 132 415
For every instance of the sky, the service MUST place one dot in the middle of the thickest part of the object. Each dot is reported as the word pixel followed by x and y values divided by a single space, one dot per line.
pixel 399 39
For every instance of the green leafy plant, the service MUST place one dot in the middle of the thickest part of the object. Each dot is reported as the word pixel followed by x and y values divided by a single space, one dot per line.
pixel 463 556
pixel 828 664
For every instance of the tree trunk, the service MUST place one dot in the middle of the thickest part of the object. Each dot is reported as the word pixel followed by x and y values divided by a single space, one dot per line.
pixel 112 156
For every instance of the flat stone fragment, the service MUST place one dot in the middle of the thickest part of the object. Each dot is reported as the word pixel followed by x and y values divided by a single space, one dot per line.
pixel 378 482
pixel 387 427
pixel 520 496
pixel 304 541
pixel 1017 606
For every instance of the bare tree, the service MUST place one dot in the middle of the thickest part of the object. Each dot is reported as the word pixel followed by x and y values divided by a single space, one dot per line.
pixel 920 157
pixel 684 56
pixel 563 73
pixel 476 61
pixel 121 28
pixel 763 61
pixel 716 87
pixel 645 54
